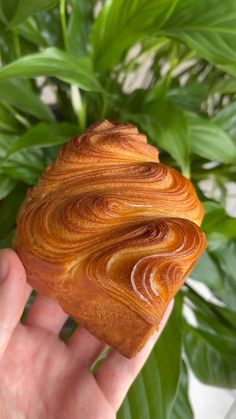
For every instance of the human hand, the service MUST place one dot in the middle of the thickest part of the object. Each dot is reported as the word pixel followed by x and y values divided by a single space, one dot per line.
pixel 43 377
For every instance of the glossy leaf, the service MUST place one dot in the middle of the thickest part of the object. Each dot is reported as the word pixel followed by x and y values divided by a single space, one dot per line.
pixel 209 141
pixel 167 126
pixel 44 135
pixel 26 165
pixel 53 62
pixel 27 8
pixel 6 185
pixel 9 208
pixel 182 407
pixel 152 394
pixel 121 24
pixel 209 357
pixel 209 28
pixel 217 224
pixel 18 94
pixel 226 118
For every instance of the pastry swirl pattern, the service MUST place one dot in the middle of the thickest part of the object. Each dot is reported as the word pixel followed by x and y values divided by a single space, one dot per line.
pixel 107 209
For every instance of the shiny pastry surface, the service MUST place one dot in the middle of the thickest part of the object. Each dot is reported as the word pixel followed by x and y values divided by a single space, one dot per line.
pixel 111 233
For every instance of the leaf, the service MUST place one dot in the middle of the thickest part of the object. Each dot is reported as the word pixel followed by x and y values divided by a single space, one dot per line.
pixel 189 97
pixel 209 359
pixel 217 224
pixel 182 408
pixel 6 185
pixel 224 86
pixel 27 8
pixel 166 125
pixel 44 135
pixel 153 392
pixel 53 62
pixel 121 24
pixel 26 165
pixel 226 118
pixel 207 272
pixel 9 208
pixel 81 18
pixel 18 94
pixel 7 241
pixel 210 141
pixel 209 28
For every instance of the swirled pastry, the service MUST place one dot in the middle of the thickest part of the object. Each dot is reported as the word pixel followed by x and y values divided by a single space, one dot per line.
pixel 111 233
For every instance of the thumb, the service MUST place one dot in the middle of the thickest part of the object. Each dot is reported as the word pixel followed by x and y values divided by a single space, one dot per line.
pixel 13 295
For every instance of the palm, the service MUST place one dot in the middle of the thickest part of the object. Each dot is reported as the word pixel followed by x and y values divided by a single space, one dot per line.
pixel 41 376
pixel 49 380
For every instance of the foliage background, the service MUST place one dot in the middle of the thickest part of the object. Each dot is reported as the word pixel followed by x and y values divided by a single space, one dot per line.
pixel 169 66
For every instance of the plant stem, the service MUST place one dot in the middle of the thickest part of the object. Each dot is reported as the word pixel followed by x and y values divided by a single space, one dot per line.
pixel 63 24
pixel 16 42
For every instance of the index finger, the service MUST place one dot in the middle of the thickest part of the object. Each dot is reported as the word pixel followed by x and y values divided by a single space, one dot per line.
pixel 117 373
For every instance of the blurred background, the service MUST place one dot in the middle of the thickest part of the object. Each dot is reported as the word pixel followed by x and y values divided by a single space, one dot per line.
pixel 168 66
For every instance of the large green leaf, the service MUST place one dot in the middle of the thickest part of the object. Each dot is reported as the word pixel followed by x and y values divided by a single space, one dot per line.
pixel 217 224
pixel 54 63
pixel 6 185
pixel 226 118
pixel 27 8
pixel 122 23
pixel 208 27
pixel 81 18
pixel 18 94
pixel 9 208
pixel 210 141
pixel 212 360
pixel 44 135
pixel 25 165
pixel 153 392
pixel 166 125
pixel 182 407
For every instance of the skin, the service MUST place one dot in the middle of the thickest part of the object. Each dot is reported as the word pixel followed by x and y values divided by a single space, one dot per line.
pixel 41 376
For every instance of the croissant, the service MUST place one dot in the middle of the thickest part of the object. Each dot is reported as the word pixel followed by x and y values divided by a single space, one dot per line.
pixel 111 233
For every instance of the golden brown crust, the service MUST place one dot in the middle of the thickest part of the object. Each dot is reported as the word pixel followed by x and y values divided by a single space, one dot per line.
pixel 111 233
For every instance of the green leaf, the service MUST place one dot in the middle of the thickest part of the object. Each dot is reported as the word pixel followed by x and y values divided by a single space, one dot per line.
pixel 224 86
pixel 226 118
pixel 210 141
pixel 209 358
pixel 182 407
pixel 18 94
pixel 121 24
pixel 153 392
pixel 217 224
pixel 166 125
pixel 25 165
pixel 207 272
pixel 6 242
pixel 81 18
pixel 27 8
pixel 53 62
pixel 44 135
pixel 9 208
pixel 189 97
pixel 209 28
pixel 6 185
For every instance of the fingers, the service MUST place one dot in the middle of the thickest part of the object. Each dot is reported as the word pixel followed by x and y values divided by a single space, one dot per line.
pixel 46 313
pixel 85 346
pixel 14 292
pixel 117 373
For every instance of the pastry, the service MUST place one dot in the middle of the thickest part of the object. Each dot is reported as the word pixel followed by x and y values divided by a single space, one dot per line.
pixel 111 233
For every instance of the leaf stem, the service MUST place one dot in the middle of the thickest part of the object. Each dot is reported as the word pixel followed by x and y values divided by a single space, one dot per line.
pixel 63 24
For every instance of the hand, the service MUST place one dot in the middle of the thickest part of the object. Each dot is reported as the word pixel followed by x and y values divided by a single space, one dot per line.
pixel 40 375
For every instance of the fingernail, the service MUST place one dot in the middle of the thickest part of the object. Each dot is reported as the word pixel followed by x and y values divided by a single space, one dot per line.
pixel 3 266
